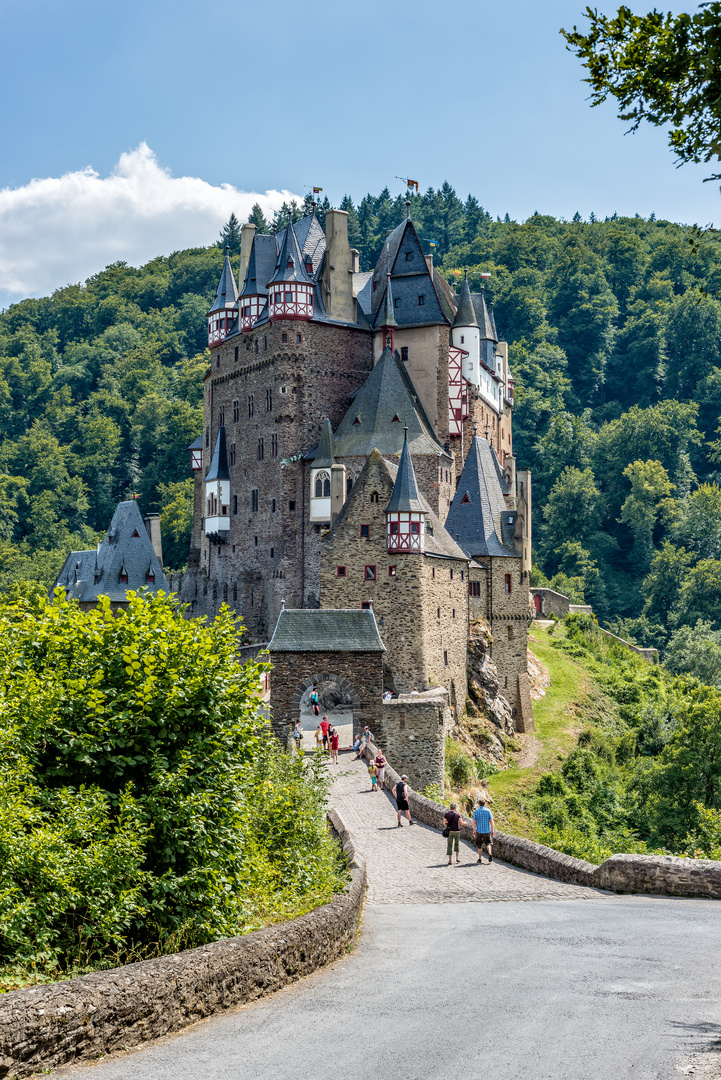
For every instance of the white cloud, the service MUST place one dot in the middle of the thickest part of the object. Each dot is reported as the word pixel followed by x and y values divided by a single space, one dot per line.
pixel 63 229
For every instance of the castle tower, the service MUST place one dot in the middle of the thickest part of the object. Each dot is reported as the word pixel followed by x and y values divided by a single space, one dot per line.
pixel 466 335
pixel 224 311
pixel 405 514
pixel 290 290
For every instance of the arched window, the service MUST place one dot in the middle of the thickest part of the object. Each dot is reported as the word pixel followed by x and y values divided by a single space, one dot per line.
pixel 322 486
pixel 374 496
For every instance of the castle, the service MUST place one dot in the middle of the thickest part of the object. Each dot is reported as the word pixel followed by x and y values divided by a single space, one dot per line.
pixel 357 452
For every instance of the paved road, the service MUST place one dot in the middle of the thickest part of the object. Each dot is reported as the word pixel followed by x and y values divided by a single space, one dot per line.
pixel 571 984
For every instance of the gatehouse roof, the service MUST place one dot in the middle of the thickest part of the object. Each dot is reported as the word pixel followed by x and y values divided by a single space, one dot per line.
pixel 326 630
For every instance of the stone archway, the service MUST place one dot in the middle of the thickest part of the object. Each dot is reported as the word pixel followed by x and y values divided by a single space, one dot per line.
pixel 338 699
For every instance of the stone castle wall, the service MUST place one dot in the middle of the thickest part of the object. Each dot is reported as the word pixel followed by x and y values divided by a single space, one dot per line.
pixel 360 673
pixel 411 734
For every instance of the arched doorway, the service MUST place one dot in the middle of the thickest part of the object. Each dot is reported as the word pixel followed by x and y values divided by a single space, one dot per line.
pixel 338 700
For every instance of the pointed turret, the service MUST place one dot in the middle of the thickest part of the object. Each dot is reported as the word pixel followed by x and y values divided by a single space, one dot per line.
pixel 217 492
pixel 405 513
pixel 479 518
pixel 324 456
pixel 465 314
pixel 290 290
pixel 466 334
pixel 487 327
pixel 223 313
pixel 386 317
pixel 254 293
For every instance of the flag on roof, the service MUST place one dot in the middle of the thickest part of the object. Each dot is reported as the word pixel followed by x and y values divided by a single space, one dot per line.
pixel 317 190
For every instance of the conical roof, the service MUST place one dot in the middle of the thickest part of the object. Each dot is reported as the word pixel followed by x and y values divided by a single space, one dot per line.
pixel 227 293
pixel 219 462
pixel 485 322
pixel 405 490
pixel 385 311
pixel 261 264
pixel 384 403
pixel 324 455
pixel 290 265
pixel 476 517
pixel 465 314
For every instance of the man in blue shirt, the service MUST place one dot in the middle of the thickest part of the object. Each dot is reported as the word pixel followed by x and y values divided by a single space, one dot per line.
pixel 483 830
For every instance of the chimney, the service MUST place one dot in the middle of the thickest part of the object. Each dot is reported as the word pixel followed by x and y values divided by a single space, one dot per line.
pixel 247 232
pixel 429 264
pixel 152 527
pixel 338 268
pixel 337 490
pixel 355 260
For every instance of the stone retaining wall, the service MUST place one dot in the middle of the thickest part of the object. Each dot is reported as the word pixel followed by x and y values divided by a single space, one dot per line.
pixel 44 1027
pixel 658 874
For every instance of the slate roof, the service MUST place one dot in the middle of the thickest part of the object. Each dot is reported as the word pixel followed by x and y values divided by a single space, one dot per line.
pixel 324 455
pixel 384 403
pixel 362 290
pixel 479 524
pixel 261 266
pixel 326 630
pixel 197 444
pixel 410 279
pixel 485 323
pixel 218 469
pixel 227 293
pixel 405 495
pixel 291 264
pixel 385 312
pixel 126 547
pixel 465 313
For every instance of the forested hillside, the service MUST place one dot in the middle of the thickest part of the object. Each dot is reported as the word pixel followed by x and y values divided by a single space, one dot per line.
pixel 615 331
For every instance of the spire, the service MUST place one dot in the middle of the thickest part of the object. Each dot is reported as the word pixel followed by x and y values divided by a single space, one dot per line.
pixel 290 265
pixel 227 293
pixel 478 516
pixel 465 315
pixel 219 462
pixel 405 495
pixel 485 323
pixel 408 209
pixel 385 315
pixel 324 455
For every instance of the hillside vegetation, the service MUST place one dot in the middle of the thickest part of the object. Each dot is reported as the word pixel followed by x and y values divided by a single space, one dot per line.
pixel 615 331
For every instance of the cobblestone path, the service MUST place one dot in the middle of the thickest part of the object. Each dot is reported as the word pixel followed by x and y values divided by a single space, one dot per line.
pixel 410 865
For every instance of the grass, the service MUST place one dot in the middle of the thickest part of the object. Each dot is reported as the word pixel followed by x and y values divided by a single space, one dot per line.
pixel 558 718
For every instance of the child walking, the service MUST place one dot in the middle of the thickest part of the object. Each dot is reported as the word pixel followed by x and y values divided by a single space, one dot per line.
pixel 373 773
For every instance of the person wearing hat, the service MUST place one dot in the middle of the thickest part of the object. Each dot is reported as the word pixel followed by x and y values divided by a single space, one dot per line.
pixel 400 793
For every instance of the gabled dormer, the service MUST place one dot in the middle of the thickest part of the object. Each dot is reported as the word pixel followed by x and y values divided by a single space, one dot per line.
pixel 224 311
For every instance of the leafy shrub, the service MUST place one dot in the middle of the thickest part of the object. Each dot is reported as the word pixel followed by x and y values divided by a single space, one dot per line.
pixel 460 767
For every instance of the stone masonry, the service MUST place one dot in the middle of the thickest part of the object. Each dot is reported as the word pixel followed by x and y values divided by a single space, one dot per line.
pixel 360 673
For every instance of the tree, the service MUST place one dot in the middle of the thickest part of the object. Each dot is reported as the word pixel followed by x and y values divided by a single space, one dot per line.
pixel 649 486
pixel 230 236
pixel 573 511
pixel 176 520
pixel 696 650
pixel 661 586
pixel 699 597
pixel 663 68
pixel 698 526
pixel 257 218
pixel 692 341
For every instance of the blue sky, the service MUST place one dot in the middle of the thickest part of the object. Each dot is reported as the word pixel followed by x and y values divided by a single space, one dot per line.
pixel 279 96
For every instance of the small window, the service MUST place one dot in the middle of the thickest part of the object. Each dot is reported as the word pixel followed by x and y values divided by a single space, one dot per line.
pixel 235 357
pixel 415 527
pixel 421 300
pixel 236 412
pixel 397 302
pixel 151 577
pixel 261 450
pixel 235 504
pixel 509 586
pixel 404 354
pixel 340 571
pixel 265 342
pixel 370 573
pixel 462 575
pixel 474 588
pixel 124 578
pixel 366 605
pixel 272 506
pixel 357 420
pixel 207 436
pixel 391 571
pixel 365 531
pixel 454 613
pixel 221 417
pixel 451 575
pixel 409 256
pixel 232 454
pixel 445 657
pixel 395 420
pixel 348 484
pixel 291 505
pixel 257 344
pixel 274 446
pixel 433 572
pixel 283 337
pixel 462 339
pixel 134 534
pixel 254 504
pixel 235 592
pixel 298 339
pixel 394 527
pixel 438 612
pixel 272 553
pixel 251 406
pixel 509 633
pixel 217 360
pixel 374 496
pixel 466 498
pixel 288 298
pixel 269 401
pixel 255 541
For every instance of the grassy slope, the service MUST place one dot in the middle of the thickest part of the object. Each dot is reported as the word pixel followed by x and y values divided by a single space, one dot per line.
pixel 558 719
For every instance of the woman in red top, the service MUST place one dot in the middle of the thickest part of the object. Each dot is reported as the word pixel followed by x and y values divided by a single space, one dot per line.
pixel 324 725
pixel 334 743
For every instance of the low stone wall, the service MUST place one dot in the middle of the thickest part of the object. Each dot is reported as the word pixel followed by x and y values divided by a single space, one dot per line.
pixel 44 1027
pixel 651 655
pixel 659 874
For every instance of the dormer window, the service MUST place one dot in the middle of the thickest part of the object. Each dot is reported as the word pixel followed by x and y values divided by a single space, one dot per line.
pixel 124 577
pixel 466 498
pixel 357 420
pixel 289 264
pixel 395 420
pixel 151 577
pixel 135 534
pixel 308 266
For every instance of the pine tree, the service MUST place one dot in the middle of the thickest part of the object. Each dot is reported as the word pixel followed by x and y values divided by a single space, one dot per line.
pixel 230 236
pixel 354 229
pixel 577 216
pixel 257 218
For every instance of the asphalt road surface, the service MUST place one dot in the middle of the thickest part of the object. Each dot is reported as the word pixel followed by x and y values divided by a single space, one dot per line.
pixel 488 973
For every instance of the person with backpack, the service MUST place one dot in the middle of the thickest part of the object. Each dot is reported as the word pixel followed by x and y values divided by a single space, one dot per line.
pixel 452 831
pixel 400 793
pixel 483 830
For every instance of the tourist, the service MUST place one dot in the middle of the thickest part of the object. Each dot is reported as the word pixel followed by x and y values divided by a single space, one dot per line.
pixel 318 737
pixel 334 744
pixel 324 725
pixel 400 793
pixel 297 734
pixel 365 738
pixel 387 695
pixel 483 830
pixel 415 692
pixel 380 764
pixel 373 773
pixel 356 745
pixel 314 702
pixel 452 831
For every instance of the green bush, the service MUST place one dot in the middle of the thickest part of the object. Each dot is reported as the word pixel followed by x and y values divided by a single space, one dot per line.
pixel 460 767
pixel 144 803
